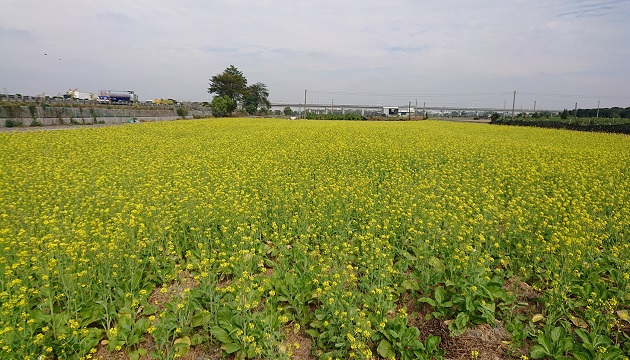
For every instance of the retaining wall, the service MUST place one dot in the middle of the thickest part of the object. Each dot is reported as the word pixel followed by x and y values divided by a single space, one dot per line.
pixel 74 115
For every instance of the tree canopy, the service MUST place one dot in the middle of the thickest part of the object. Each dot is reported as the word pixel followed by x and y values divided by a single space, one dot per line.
pixel 232 84
pixel 256 98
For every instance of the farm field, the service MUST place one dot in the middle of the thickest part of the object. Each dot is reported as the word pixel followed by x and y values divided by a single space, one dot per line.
pixel 278 239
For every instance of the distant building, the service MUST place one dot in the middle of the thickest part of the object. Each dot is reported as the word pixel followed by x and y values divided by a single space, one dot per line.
pixel 390 111
pixel 396 111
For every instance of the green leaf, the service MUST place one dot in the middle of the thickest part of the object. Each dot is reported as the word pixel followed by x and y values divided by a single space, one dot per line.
pixel 410 335
pixel 582 356
pixel 231 348
pixel 439 294
pixel 150 310
pixel 385 350
pixel 437 264
pixel 198 339
pixel 393 334
pixel 221 335
pixel 202 318
pixel 545 342
pixel 537 352
pixel 461 320
pixel 489 306
pixel 432 342
pixel 251 351
pixel 557 333
pixel 428 301
pixel 312 332
pixel 410 285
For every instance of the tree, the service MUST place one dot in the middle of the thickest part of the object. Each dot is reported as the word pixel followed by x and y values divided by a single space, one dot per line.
pixel 288 111
pixel 256 96
pixel 231 83
pixel 222 105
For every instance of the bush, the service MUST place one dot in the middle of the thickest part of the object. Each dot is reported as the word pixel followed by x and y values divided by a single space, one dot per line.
pixel 183 112
pixel 13 123
pixel 564 114
pixel 222 105
pixel 13 110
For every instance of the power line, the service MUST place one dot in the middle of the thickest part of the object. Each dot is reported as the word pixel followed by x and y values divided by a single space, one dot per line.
pixel 407 94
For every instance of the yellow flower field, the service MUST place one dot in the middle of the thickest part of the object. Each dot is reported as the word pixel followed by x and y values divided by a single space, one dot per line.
pixel 357 238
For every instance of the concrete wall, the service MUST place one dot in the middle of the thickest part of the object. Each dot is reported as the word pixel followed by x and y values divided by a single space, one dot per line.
pixel 74 115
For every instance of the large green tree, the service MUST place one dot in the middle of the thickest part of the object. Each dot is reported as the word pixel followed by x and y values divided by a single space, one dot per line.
pixel 231 83
pixel 256 98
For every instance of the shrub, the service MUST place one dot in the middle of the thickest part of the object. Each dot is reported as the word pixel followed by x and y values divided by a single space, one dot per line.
pixel 183 112
pixel 13 110
pixel 13 123
pixel 33 110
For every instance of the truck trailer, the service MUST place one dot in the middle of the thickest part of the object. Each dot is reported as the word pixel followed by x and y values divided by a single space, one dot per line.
pixel 117 97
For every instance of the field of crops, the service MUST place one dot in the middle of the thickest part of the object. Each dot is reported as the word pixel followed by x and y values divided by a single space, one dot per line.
pixel 279 239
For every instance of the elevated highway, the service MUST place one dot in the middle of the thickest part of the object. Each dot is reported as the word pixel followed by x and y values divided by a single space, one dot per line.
pixel 433 109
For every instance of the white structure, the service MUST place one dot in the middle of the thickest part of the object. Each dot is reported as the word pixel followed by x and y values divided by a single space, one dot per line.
pixel 398 111
pixel 75 94
pixel 390 110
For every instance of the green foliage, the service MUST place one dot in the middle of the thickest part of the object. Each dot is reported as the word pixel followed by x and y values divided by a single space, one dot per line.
pixel 13 111
pixel 32 109
pixel 13 123
pixel 129 332
pixel 595 346
pixel 255 98
pixel 474 302
pixel 400 341
pixel 182 112
pixel 222 106
pixel 231 83
pixel 287 111
pixel 556 345
pixel 93 114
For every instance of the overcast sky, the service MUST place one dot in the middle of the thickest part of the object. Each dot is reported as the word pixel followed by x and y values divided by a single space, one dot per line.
pixel 555 52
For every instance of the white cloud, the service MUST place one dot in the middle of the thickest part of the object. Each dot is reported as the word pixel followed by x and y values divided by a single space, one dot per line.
pixel 166 49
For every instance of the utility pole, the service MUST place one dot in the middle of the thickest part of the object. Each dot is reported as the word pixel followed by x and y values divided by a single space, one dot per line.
pixel 534 105
pixel 513 104
pixel 409 112
pixel 424 110
pixel 575 114
pixel 597 115
pixel 332 103
pixel 304 115
pixel 415 110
